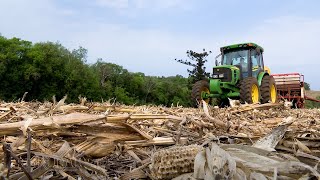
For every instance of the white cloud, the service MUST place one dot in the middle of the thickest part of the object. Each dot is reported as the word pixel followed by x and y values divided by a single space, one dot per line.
pixel 67 12
pixel 149 50
pixel 117 4
pixel 38 20
pixel 139 8
pixel 161 4
pixel 143 4
pixel 289 39
pixel 291 45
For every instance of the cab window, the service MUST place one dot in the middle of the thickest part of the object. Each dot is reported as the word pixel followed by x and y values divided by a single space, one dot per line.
pixel 256 62
pixel 235 57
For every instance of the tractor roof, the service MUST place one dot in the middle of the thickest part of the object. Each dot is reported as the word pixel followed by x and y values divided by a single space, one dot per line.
pixel 235 46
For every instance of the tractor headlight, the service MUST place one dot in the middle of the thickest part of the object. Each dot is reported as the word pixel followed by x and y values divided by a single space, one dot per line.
pixel 216 76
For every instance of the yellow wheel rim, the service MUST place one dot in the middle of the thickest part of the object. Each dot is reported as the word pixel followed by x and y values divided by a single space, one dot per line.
pixel 255 93
pixel 273 93
pixel 203 92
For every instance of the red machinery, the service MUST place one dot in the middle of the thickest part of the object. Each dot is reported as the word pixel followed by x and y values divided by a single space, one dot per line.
pixel 291 88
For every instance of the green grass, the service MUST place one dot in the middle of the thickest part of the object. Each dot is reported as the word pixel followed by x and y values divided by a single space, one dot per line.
pixel 312 104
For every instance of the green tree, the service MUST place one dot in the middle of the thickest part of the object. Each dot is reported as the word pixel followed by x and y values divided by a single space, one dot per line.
pixel 109 76
pixel 197 62
pixel 122 95
pixel 15 69
pixel 45 69
pixel 306 86
pixel 148 86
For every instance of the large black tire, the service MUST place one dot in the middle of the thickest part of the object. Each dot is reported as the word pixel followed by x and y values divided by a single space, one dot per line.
pixel 249 90
pixel 197 89
pixel 268 90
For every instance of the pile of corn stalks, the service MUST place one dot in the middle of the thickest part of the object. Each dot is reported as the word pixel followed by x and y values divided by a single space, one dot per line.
pixel 109 141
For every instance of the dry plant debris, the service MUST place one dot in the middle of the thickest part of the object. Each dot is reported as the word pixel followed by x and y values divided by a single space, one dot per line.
pixel 108 141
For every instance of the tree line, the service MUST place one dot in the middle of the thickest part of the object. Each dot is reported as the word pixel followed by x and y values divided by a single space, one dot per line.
pixel 48 69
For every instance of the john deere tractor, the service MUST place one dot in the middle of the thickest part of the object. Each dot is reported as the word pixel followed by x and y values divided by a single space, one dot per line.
pixel 241 75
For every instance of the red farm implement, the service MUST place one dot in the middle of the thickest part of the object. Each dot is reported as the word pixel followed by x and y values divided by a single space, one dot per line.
pixel 290 87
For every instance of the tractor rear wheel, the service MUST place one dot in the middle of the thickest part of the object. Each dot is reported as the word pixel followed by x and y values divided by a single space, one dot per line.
pixel 268 90
pixel 249 91
pixel 199 89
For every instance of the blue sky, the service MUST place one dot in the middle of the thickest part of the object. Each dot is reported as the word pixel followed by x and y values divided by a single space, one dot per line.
pixel 147 35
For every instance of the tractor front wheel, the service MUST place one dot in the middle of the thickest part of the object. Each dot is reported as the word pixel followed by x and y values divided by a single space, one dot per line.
pixel 199 89
pixel 249 91
pixel 268 90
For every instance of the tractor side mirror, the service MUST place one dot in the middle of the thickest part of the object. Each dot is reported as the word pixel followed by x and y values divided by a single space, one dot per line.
pixel 216 62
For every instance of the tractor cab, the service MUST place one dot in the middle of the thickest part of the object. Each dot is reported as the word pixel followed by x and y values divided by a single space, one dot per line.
pixel 247 57
pixel 240 74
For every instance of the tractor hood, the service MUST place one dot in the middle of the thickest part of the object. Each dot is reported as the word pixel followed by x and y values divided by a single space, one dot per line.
pixel 226 73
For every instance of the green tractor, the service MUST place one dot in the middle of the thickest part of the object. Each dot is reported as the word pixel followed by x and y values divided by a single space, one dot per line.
pixel 240 75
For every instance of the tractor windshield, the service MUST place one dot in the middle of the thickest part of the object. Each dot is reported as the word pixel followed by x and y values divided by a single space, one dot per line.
pixel 235 57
